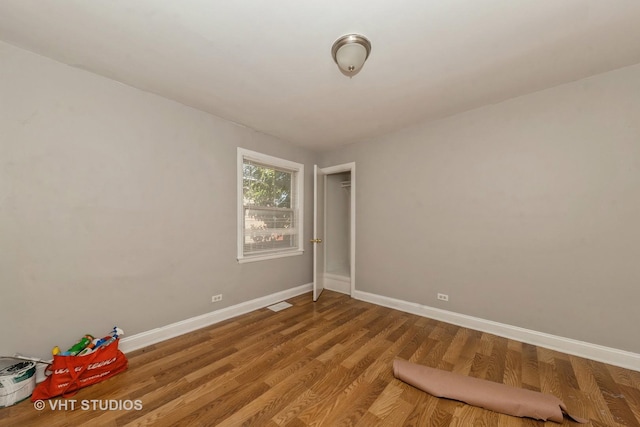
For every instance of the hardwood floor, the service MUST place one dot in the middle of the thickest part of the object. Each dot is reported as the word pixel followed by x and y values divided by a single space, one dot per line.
pixel 329 364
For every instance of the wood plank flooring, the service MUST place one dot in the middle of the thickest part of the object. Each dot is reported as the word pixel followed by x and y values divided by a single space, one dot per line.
pixel 329 364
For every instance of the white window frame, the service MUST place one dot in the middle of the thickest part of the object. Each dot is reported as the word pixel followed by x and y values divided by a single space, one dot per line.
pixel 298 204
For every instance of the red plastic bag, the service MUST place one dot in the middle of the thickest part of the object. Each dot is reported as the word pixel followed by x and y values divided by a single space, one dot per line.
pixel 71 373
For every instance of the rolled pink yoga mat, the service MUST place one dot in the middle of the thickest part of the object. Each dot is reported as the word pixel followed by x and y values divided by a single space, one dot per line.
pixel 483 393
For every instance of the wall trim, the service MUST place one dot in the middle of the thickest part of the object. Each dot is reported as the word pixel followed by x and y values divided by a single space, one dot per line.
pixel 337 283
pixel 612 356
pixel 153 336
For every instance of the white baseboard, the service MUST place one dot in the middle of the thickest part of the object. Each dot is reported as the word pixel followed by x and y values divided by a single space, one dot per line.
pixel 144 339
pixel 587 350
pixel 341 284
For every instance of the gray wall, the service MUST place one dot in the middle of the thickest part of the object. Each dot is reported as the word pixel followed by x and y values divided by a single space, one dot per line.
pixel 526 212
pixel 118 207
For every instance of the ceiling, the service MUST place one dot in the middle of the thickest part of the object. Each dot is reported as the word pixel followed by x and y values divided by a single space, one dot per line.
pixel 267 64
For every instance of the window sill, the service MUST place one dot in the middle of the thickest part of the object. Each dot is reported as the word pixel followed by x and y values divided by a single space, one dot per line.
pixel 268 256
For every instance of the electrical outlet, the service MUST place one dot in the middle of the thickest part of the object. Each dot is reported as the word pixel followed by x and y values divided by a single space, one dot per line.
pixel 443 297
pixel 216 298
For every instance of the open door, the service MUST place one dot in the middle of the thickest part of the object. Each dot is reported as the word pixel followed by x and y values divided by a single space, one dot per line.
pixel 318 232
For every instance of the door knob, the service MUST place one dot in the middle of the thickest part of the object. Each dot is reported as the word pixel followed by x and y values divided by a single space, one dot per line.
pixel 316 240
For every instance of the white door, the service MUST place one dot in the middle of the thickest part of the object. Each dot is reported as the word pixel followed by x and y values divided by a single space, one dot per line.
pixel 318 232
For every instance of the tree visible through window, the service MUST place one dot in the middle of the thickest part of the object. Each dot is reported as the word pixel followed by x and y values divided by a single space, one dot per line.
pixel 270 213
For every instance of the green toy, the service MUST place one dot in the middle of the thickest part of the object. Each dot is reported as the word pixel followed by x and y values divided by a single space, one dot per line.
pixel 79 346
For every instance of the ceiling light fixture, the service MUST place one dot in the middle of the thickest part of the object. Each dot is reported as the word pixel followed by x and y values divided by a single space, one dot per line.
pixel 350 52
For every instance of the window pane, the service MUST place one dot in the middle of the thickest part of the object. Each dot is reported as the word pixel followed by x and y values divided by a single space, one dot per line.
pixel 269 206
pixel 266 186
pixel 269 229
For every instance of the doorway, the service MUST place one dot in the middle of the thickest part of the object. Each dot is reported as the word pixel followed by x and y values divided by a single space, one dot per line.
pixel 334 233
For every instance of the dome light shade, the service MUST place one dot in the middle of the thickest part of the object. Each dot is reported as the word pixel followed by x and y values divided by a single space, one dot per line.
pixel 350 52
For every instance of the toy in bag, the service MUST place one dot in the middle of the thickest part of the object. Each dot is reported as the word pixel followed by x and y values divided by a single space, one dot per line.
pixel 69 373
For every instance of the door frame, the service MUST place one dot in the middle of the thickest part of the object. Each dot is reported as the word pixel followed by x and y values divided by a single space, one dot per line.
pixel 347 167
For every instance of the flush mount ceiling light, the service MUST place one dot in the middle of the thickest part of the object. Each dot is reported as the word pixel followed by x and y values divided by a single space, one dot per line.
pixel 350 52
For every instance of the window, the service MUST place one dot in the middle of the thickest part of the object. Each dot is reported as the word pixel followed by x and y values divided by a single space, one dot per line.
pixel 270 200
